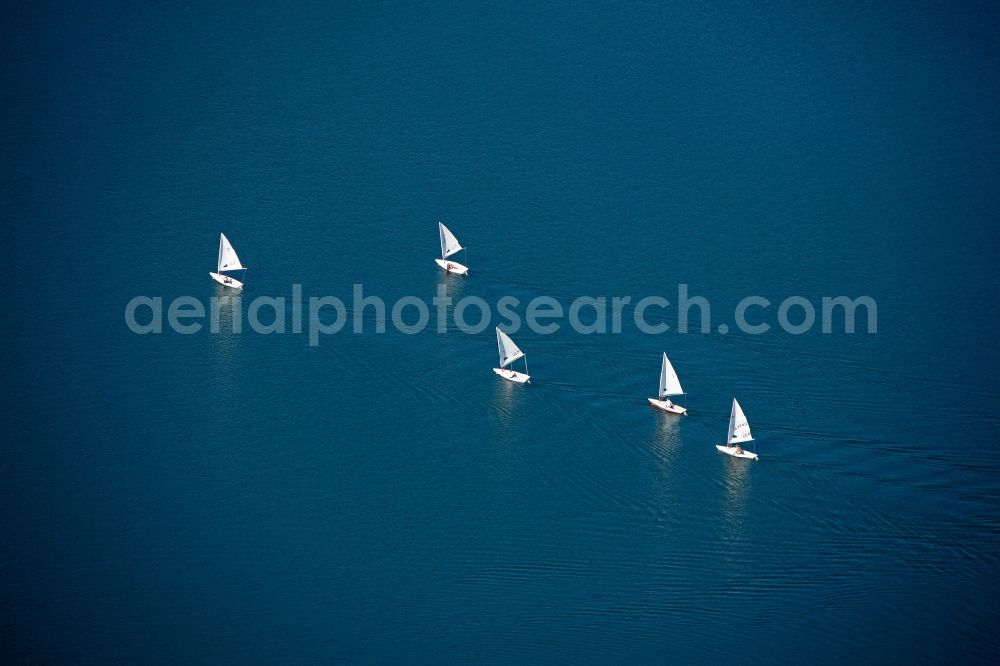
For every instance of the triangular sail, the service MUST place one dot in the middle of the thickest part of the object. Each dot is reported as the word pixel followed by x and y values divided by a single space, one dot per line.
pixel 508 350
pixel 449 244
pixel 228 261
pixel 739 429
pixel 669 383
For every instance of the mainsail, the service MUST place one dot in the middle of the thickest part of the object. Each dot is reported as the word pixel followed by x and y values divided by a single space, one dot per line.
pixel 449 244
pixel 228 261
pixel 669 384
pixel 739 429
pixel 508 350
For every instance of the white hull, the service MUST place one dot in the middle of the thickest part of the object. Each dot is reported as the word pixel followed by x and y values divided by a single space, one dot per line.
pixel 452 266
pixel 672 408
pixel 731 450
pixel 226 281
pixel 512 375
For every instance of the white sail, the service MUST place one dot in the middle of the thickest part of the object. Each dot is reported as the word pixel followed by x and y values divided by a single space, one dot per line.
pixel 228 261
pixel 739 429
pixel 449 244
pixel 508 350
pixel 669 383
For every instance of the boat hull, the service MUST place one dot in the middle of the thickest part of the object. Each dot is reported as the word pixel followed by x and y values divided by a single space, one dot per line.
pixel 671 408
pixel 226 281
pixel 731 451
pixel 513 376
pixel 452 266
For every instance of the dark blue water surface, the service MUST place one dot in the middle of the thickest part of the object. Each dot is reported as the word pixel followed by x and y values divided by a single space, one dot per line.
pixel 384 497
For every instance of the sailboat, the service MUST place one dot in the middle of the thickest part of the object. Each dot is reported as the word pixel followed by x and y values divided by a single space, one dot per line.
pixel 509 352
pixel 739 432
pixel 449 246
pixel 669 385
pixel 228 261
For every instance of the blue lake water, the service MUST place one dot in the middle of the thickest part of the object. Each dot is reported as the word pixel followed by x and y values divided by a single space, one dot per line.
pixel 385 497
